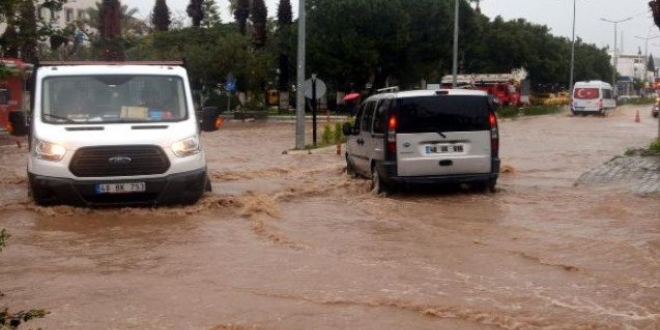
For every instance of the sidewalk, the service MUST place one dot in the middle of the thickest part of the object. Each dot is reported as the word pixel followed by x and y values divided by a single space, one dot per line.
pixel 640 173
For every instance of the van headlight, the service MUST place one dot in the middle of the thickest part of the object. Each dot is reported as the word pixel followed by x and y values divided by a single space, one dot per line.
pixel 187 147
pixel 49 151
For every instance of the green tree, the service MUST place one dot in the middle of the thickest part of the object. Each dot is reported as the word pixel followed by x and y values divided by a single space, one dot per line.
pixel 650 64
pixel 259 19
pixel 161 16
pixel 284 21
pixel 196 12
pixel 28 33
pixel 241 14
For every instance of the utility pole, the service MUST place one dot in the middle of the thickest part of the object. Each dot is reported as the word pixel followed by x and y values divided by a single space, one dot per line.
pixel 614 50
pixel 300 93
pixel 570 81
pixel 646 54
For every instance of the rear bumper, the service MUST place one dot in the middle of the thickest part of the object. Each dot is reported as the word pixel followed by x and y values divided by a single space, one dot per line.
pixel 180 188
pixel 388 170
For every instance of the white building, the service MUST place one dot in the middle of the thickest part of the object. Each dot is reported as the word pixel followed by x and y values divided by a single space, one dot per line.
pixel 633 66
pixel 73 10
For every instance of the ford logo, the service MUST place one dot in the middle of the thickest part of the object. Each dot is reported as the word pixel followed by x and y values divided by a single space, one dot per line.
pixel 119 160
pixel 406 145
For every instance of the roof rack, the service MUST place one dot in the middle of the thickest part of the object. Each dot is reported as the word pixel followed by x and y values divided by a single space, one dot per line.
pixel 54 63
pixel 388 89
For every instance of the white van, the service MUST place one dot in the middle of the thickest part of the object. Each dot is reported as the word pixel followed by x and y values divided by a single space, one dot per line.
pixel 592 97
pixel 114 134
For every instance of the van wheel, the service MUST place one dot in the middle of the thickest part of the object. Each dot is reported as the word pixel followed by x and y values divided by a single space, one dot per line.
pixel 487 186
pixel 378 186
pixel 350 171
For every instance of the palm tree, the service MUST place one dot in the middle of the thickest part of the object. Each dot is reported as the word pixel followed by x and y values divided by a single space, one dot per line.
pixel 129 24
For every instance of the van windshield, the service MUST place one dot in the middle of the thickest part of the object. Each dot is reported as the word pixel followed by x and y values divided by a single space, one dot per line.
pixel 586 93
pixel 113 98
pixel 443 113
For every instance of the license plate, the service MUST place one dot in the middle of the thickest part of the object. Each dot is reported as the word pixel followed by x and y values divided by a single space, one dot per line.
pixel 120 188
pixel 445 149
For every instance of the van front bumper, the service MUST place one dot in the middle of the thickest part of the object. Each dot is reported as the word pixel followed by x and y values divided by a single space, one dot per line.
pixel 179 188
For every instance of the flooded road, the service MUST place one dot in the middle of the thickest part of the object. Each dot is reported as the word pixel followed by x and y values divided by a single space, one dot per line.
pixel 288 241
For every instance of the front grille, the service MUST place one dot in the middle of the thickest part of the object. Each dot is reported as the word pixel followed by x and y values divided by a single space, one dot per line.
pixel 119 161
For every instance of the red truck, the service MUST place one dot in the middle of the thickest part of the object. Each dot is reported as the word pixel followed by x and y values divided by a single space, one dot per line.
pixel 505 87
pixel 13 76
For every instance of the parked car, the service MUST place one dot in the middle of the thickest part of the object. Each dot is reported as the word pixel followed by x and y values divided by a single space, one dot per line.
pixel 444 136
pixel 656 107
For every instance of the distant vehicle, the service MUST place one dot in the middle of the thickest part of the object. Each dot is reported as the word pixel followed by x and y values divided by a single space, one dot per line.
pixel 115 133
pixel 592 97
pixel 656 106
pixel 12 90
pixel 505 87
pixel 445 136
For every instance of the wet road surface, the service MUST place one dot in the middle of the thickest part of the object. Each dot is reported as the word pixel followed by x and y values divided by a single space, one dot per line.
pixel 287 241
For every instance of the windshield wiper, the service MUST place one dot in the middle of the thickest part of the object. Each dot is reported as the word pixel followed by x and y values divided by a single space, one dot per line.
pixel 66 120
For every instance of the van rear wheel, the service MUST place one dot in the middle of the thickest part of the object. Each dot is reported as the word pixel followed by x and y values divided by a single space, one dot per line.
pixel 378 186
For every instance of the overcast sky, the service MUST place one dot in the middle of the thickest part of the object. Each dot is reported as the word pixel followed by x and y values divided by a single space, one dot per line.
pixel 555 14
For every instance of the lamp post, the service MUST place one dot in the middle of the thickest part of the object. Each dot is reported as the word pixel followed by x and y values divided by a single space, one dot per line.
pixel 570 82
pixel 646 54
pixel 614 55
pixel 454 69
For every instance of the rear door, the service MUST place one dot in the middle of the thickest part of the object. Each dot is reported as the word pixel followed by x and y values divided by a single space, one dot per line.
pixel 443 135
pixel 586 98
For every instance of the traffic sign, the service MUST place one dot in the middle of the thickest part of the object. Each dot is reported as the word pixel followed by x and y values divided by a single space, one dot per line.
pixel 321 89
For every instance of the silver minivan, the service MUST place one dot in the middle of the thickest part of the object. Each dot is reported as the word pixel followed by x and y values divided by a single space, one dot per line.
pixel 446 136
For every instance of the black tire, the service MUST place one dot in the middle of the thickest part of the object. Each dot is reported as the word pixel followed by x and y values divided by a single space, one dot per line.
pixel 350 170
pixel 378 186
pixel 487 186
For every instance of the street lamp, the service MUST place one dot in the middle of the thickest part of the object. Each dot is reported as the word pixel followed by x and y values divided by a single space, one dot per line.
pixel 646 54
pixel 570 82
pixel 614 55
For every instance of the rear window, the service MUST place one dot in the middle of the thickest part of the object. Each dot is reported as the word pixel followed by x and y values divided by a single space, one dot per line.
pixel 586 93
pixel 444 113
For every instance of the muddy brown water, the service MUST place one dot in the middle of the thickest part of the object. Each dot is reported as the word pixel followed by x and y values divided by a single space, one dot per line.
pixel 287 241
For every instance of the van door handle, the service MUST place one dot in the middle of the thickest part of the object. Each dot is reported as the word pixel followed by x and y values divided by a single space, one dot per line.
pixel 360 141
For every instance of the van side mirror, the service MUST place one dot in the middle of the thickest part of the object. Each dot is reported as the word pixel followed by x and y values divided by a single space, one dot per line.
pixel 17 123
pixel 210 119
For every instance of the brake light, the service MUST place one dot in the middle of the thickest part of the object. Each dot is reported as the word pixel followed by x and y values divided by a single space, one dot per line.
pixel 494 135
pixel 391 134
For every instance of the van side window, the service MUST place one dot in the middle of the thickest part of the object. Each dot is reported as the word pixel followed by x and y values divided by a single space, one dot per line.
pixel 607 94
pixel 380 117
pixel 368 116
pixel 359 115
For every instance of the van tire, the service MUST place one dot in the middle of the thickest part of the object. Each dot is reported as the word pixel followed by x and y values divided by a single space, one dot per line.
pixel 378 186
pixel 487 186
pixel 350 170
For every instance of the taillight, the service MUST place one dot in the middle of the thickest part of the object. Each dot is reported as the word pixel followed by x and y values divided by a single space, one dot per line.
pixel 391 134
pixel 494 135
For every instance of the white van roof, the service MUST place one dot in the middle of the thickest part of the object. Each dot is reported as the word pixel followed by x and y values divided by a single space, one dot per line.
pixel 592 83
